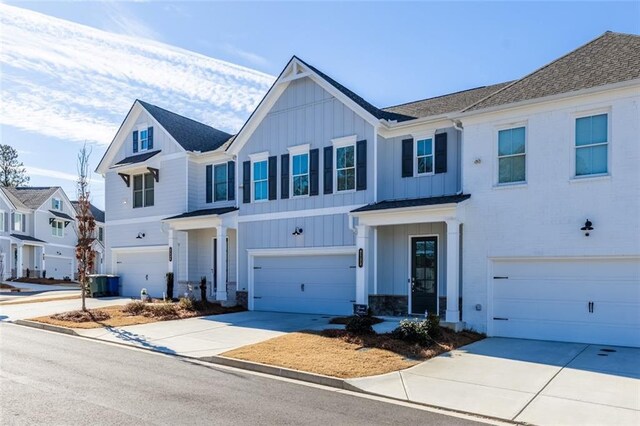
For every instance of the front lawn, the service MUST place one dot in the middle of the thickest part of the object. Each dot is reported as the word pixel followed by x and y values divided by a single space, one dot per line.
pixel 339 353
pixel 135 313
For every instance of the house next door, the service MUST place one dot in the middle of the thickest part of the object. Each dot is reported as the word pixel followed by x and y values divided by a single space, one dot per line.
pixel 424 275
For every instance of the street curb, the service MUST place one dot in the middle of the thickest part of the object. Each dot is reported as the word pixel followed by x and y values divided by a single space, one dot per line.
pixel 47 327
pixel 288 373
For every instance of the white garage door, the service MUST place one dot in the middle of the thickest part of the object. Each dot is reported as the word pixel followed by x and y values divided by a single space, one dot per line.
pixel 142 270
pixel 58 268
pixel 589 301
pixel 307 284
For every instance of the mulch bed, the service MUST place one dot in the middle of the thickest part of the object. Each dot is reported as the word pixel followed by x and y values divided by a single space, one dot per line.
pixel 44 281
pixel 345 320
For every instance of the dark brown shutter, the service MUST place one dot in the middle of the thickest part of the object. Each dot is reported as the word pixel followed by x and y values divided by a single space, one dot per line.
pixel 440 151
pixel 328 169
pixel 284 176
pixel 150 138
pixel 361 165
pixel 231 180
pixel 314 160
pixel 209 187
pixel 135 141
pixel 273 177
pixel 246 182
pixel 407 158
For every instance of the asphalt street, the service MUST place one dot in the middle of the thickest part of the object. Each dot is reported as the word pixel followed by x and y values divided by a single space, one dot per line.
pixel 53 379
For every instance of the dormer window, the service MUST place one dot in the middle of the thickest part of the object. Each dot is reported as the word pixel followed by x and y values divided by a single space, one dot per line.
pixel 143 139
pixel 56 204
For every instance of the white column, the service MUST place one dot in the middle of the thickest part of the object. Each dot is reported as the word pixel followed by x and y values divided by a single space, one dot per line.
pixel 362 240
pixel 453 271
pixel 221 264
pixel 172 252
pixel 19 262
pixel 43 263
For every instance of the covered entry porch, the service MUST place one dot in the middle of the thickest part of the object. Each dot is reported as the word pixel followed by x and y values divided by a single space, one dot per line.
pixel 202 244
pixel 409 257
pixel 27 256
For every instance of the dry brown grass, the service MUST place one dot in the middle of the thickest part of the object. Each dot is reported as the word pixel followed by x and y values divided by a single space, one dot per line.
pixel 44 299
pixel 340 354
pixel 45 281
pixel 119 317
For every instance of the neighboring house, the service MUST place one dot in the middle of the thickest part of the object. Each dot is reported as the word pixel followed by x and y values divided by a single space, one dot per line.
pixel 469 205
pixel 37 233
pixel 98 243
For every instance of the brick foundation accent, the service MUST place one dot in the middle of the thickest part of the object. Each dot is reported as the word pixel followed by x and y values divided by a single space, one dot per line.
pixel 388 305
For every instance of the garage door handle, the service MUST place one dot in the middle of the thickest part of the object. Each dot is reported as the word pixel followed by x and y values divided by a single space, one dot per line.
pixel 257 297
pixel 257 267
pixel 500 319
pixel 500 278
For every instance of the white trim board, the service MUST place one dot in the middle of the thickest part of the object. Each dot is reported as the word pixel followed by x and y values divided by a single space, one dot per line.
pixel 298 213
pixel 131 249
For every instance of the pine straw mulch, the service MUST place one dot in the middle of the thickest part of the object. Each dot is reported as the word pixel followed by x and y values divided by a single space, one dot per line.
pixel 120 316
pixel 345 355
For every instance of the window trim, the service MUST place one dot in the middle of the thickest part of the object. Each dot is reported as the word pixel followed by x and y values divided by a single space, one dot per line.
pixel 497 155
pixel 295 151
pixel 144 191
pixel 140 129
pixel 100 233
pixel 54 226
pixel 259 157
pixel 416 139
pixel 584 114
pixel 2 224
pixel 58 201
pixel 13 226
pixel 343 142
pixel 213 181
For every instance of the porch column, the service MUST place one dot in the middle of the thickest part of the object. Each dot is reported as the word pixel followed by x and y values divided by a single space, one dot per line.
pixel 221 264
pixel 362 242
pixel 453 271
pixel 19 261
pixel 172 252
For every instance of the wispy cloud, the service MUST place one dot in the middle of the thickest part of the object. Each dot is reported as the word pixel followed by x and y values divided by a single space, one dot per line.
pixel 118 19
pixel 75 82
pixel 250 57
pixel 56 174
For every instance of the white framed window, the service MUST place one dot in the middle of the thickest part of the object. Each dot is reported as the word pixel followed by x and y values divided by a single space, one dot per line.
pixel 424 156
pixel 344 150
pixel 143 138
pixel 592 145
pixel 100 233
pixel 260 176
pixel 300 175
pixel 18 218
pixel 57 228
pixel 512 155
pixel 220 182
pixel 2 224
pixel 143 190
pixel 56 204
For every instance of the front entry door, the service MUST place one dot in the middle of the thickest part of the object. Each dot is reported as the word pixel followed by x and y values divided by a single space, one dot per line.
pixel 424 275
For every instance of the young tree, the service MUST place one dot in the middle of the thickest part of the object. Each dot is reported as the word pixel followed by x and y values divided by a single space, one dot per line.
pixel 12 171
pixel 85 224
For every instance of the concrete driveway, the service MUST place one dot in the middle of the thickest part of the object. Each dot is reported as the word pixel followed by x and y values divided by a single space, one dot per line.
pixel 543 383
pixel 212 335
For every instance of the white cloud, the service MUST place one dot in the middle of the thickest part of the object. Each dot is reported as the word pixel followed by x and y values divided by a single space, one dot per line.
pixel 250 57
pixel 75 82
pixel 56 174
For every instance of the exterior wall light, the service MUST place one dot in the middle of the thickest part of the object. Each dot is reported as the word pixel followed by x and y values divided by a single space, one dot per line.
pixel 588 226
pixel 141 235
pixel 297 231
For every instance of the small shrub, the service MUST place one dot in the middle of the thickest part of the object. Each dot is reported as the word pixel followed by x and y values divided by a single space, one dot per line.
pixel 413 331
pixel 134 308
pixel 82 316
pixel 345 320
pixel 161 310
pixel 434 326
pixel 360 325
pixel 186 304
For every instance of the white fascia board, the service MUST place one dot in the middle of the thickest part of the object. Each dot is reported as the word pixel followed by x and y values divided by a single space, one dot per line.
pixel 302 251
pixel 186 224
pixel 296 214
pixel 7 200
pixel 133 249
pixel 542 102
pixel 402 216
pixel 209 157
pixel 426 125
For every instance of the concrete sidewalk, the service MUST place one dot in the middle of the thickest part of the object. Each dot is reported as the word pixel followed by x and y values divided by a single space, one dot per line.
pixel 544 383
pixel 38 309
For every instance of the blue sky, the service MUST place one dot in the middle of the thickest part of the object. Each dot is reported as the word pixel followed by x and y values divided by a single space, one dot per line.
pixel 62 83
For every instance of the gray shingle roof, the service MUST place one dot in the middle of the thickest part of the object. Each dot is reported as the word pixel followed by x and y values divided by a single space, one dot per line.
pixel 27 238
pixel 98 214
pixel 61 215
pixel 190 134
pixel 610 58
pixel 138 158
pixel 412 202
pixel 29 197
pixel 204 212
pixel 451 102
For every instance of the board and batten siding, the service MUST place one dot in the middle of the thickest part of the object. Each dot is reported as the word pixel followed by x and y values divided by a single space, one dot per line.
pixel 318 231
pixel 161 140
pixel 393 256
pixel 198 187
pixel 306 114
pixel 201 254
pixel 391 184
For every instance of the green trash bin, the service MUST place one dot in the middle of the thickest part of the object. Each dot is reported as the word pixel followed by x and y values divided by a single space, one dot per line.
pixel 97 285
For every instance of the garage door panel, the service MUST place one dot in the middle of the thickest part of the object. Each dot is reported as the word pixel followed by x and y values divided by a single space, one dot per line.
pixel 335 291
pixel 550 300
pixel 304 275
pixel 142 270
pixel 304 262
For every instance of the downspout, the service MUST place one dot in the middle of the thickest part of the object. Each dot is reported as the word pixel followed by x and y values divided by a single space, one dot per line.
pixel 457 124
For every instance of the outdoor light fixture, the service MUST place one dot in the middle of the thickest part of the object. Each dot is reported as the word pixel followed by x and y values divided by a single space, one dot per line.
pixel 140 235
pixel 588 226
pixel 297 231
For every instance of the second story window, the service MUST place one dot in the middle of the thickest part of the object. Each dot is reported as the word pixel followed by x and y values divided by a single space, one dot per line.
pixel 144 140
pixel 56 204
pixel 511 155
pixel 100 233
pixel 57 228
pixel 345 168
pixel 300 174
pixel 220 180
pixel 18 222
pixel 592 145
pixel 424 156
pixel 143 190
pixel 2 225
pixel 260 181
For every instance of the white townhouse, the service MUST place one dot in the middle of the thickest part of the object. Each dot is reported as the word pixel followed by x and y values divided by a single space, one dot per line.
pixel 471 205
pixel 37 233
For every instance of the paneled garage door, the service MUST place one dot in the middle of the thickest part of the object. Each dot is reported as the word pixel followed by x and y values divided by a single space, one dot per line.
pixel 306 284
pixel 589 301
pixel 142 270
